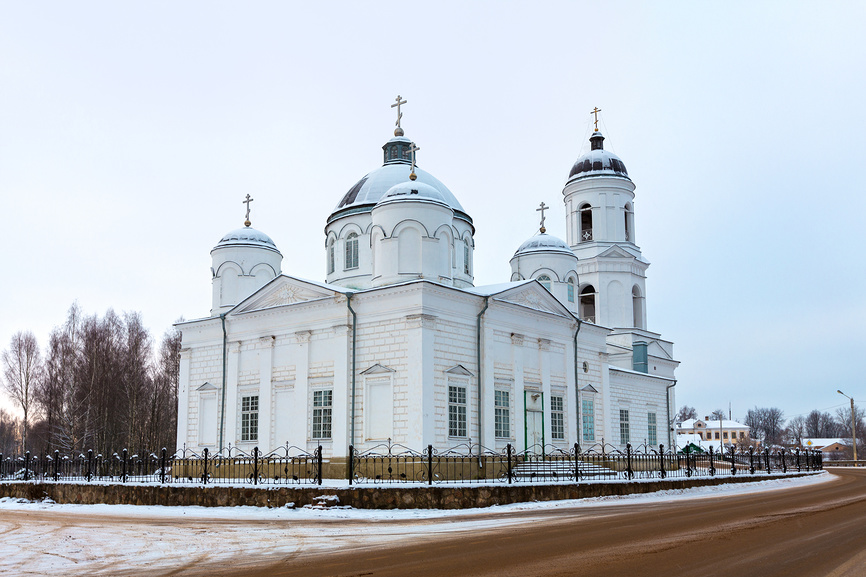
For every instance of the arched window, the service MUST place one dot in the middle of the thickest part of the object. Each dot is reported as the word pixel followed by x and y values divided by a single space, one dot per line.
pixel 628 216
pixel 585 223
pixel 351 251
pixel 587 303
pixel 545 281
pixel 467 269
pixel 331 257
pixel 637 307
pixel 571 290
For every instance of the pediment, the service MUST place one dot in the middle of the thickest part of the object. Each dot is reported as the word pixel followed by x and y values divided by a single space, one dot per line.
pixel 534 296
pixel 207 387
pixel 283 290
pixel 459 370
pixel 655 350
pixel 616 252
pixel 378 369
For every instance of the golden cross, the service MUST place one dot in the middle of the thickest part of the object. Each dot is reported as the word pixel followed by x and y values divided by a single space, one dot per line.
pixel 595 112
pixel 397 106
pixel 542 207
pixel 412 150
pixel 247 202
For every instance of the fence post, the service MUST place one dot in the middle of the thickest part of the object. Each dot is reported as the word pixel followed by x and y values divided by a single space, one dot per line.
pixel 123 468
pixel 319 461
pixel 576 463
pixel 784 462
pixel 27 466
pixel 797 451
pixel 733 462
pixel 662 473
pixel 89 464
pixel 688 463
pixel 429 464
pixel 255 465
pixel 628 468
pixel 56 464
pixel 751 460
pixel 351 463
pixel 162 466
pixel 712 465
pixel 767 459
pixel 204 472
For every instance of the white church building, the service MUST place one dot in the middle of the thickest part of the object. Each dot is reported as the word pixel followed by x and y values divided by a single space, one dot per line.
pixel 399 344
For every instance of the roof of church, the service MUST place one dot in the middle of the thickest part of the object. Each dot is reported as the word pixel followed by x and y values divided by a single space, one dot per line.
pixel 412 191
pixel 247 236
pixel 598 161
pixel 543 242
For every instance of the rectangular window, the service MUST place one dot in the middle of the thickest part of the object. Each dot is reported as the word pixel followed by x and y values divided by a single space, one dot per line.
pixel 742 435
pixel 570 292
pixel 651 429
pixel 624 436
pixel 456 411
pixel 725 435
pixel 352 251
pixel 331 258
pixel 557 418
pixel 250 418
pixel 588 420
pixel 466 257
pixel 503 414
pixel 322 402
pixel 717 435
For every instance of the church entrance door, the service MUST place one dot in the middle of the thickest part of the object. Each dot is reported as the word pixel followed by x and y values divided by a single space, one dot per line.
pixel 534 419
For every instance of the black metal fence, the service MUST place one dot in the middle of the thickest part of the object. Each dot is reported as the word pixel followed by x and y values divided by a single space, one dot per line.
pixel 284 465
pixel 390 463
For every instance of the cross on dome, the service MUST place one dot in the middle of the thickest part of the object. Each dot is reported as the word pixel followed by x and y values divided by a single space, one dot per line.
pixel 247 202
pixel 541 208
pixel 412 150
pixel 399 130
pixel 595 112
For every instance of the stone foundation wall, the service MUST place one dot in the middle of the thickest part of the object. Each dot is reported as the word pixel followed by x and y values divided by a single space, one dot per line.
pixel 386 497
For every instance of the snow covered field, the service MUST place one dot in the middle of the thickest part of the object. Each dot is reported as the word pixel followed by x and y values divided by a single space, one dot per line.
pixel 44 538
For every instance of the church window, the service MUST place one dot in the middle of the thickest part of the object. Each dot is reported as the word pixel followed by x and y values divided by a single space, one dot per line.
pixel 322 403
pixel 352 251
pixel 637 307
pixel 503 414
pixel 651 429
pixel 545 281
pixel 587 303
pixel 624 436
pixel 557 418
pixel 585 223
pixel 571 290
pixel 466 254
pixel 250 418
pixel 331 257
pixel 628 216
pixel 456 411
pixel 588 420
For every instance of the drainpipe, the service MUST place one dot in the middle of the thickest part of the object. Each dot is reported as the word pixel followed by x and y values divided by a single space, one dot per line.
pixel 668 403
pixel 576 387
pixel 223 407
pixel 478 354
pixel 354 324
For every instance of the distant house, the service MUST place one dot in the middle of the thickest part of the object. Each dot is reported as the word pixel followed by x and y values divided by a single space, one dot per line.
pixel 713 432
pixel 827 446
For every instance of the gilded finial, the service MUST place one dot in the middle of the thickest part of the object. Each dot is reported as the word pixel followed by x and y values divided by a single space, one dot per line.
pixel 399 130
pixel 541 208
pixel 247 202
pixel 595 112
pixel 412 150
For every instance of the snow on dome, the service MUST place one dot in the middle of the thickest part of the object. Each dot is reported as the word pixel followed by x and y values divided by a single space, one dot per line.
pixel 370 189
pixel 247 237
pixel 412 191
pixel 543 242
pixel 598 161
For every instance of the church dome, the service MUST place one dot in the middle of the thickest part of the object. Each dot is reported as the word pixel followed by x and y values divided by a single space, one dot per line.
pixel 598 161
pixel 543 242
pixel 247 237
pixel 412 191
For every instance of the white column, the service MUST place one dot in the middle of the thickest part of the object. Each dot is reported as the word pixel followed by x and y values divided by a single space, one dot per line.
pixel 266 358
pixel 231 408
pixel 519 395
pixel 544 365
pixel 607 431
pixel 488 396
pixel 342 391
pixel 300 407
pixel 571 395
pixel 183 392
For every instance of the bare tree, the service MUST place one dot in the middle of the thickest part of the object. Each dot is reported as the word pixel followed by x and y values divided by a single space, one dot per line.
pixel 766 424
pixel 796 430
pixel 22 370
pixel 9 438
pixel 719 415
pixel 685 413
pixel 821 425
pixel 843 417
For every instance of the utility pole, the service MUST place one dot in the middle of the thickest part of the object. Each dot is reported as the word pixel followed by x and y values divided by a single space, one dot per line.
pixel 853 430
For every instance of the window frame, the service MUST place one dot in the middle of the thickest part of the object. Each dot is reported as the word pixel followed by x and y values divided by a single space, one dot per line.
pixel 588 419
pixel 652 429
pixel 458 402
pixel 502 413
pixel 322 414
pixel 249 418
pixel 350 260
pixel 624 427
pixel 557 417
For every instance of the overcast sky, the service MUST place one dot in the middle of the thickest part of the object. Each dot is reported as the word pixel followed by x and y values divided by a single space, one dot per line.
pixel 130 133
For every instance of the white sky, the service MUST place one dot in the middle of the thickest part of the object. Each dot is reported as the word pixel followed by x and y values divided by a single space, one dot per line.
pixel 129 134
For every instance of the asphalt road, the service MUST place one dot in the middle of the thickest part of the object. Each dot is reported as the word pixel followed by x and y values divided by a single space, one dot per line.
pixel 815 530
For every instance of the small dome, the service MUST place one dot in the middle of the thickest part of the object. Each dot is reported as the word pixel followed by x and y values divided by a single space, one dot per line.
pixel 543 242
pixel 598 161
pixel 412 191
pixel 370 189
pixel 247 237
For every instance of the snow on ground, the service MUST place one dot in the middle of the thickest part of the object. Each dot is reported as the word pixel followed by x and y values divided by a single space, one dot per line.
pixel 39 538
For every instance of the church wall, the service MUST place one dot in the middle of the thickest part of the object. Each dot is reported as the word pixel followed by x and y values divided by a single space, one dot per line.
pixel 639 396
